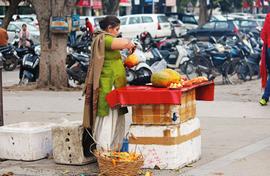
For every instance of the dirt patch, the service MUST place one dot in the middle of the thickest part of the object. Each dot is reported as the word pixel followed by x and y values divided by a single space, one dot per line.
pixel 34 86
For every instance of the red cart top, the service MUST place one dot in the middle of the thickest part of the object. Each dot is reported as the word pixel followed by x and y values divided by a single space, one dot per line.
pixel 135 95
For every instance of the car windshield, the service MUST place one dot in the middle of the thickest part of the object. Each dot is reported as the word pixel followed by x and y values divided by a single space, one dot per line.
pixel 32 28
pixel 123 21
pixel 26 19
pixel 162 19
pixel 248 24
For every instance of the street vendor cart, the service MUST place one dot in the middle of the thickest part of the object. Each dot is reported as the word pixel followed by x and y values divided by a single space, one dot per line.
pixel 164 126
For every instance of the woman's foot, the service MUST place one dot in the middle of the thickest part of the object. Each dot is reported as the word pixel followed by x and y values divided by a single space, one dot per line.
pixel 263 102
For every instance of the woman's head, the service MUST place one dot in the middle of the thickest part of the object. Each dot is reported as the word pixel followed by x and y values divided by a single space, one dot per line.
pixel 110 24
pixel 24 27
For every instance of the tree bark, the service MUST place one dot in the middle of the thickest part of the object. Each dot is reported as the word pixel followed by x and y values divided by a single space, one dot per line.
pixel 53 46
pixel 13 5
pixel 203 12
pixel 110 7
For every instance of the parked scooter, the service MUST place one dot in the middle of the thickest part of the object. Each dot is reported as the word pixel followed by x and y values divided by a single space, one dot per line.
pixel 173 51
pixel 29 70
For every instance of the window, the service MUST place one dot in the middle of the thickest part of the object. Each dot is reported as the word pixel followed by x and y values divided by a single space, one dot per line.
pixel 209 26
pixel 11 27
pixel 189 19
pixel 222 25
pixel 248 24
pixel 97 20
pixel 123 21
pixel 134 20
pixel 163 19
pixel 147 19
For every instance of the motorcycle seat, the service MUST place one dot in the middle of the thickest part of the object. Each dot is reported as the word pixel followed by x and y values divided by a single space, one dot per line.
pixel 80 58
pixel 165 53
pixel 21 49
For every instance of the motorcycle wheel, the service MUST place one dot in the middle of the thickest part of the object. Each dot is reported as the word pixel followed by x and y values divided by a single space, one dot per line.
pixel 24 80
pixel 130 75
pixel 229 70
pixel 188 69
pixel 10 64
pixel 243 71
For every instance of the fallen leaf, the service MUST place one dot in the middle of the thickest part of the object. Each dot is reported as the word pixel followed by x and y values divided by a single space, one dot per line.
pixel 189 165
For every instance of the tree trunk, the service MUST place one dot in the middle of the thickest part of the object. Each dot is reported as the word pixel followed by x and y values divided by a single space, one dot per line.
pixel 211 11
pixel 13 5
pixel 203 12
pixel 53 46
pixel 110 7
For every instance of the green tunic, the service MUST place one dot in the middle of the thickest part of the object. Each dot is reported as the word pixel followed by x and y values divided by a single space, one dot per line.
pixel 112 74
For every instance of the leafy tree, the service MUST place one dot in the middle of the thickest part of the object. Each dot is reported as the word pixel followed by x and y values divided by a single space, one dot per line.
pixel 53 46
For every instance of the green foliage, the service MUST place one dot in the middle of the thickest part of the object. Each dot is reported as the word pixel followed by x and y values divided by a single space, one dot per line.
pixel 228 6
pixel 182 4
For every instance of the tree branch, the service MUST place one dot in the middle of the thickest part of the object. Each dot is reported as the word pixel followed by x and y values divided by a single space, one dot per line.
pixel 13 5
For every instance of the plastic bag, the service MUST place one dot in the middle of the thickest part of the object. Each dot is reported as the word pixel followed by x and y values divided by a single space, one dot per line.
pixel 159 66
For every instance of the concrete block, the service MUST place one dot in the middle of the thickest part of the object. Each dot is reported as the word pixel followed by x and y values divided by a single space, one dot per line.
pixel 169 146
pixel 67 144
pixel 26 141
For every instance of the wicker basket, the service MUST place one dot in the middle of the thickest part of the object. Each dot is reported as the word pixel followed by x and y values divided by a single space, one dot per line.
pixel 121 168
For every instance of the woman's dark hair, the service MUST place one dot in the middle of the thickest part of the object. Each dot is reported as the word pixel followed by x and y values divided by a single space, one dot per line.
pixel 109 21
pixel 24 25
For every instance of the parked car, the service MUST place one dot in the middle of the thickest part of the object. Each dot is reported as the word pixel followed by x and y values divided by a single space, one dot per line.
pixel 218 18
pixel 156 24
pixel 14 28
pixel 216 29
pixel 188 19
pixel 178 27
pixel 233 16
pixel 248 26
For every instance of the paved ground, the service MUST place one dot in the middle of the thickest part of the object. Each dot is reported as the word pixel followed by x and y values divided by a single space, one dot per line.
pixel 235 130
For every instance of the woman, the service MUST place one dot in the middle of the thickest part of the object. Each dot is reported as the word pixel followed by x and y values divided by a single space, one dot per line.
pixel 24 37
pixel 106 72
pixel 265 61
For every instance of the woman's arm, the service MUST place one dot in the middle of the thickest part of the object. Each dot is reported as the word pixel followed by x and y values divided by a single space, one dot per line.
pixel 120 43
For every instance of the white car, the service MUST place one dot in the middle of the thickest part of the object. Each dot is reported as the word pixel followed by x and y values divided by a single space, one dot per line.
pixel 156 24
pixel 179 28
pixel 14 28
pixel 94 20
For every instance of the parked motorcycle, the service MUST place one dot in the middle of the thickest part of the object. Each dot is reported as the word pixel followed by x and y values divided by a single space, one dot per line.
pixel 78 70
pixel 139 74
pixel 173 51
pixel 9 57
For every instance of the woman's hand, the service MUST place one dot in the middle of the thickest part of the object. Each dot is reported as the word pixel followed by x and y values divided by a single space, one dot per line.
pixel 120 43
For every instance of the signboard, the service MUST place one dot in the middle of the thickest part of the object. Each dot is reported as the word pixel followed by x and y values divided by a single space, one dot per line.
pixel 150 1
pixel 125 3
pixel 83 3
pixel 170 2
pixel 97 4
pixel 137 2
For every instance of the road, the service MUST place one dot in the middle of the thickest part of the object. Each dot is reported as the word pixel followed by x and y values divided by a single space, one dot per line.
pixel 235 130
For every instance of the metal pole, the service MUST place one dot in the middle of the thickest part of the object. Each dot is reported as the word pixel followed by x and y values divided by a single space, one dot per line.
pixel 1 95
pixel 153 6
